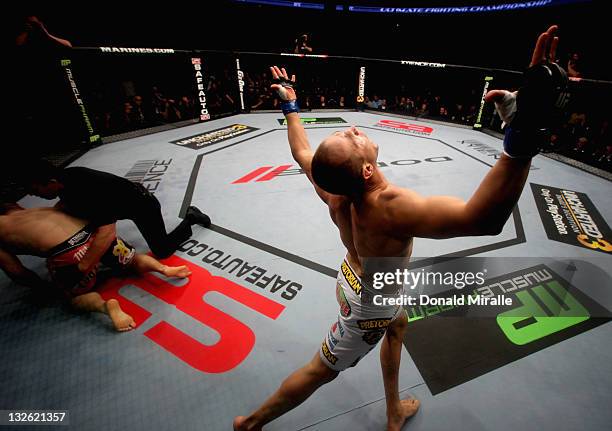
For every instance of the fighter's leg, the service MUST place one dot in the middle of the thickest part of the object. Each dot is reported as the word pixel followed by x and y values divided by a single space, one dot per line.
pixel 294 390
pixel 93 302
pixel 122 256
pixel 150 222
pixel 390 354
pixel 143 263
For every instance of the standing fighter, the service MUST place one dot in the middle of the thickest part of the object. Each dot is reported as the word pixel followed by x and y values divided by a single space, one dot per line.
pixel 377 220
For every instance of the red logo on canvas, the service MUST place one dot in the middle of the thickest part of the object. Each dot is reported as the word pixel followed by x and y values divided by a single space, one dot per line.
pixel 265 173
pixel 236 339
pixel 408 127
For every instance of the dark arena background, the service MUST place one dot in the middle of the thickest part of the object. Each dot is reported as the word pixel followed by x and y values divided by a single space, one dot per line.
pixel 177 98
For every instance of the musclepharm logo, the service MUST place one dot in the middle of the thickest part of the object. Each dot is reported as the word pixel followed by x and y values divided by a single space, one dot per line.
pixel 530 322
pixel 545 309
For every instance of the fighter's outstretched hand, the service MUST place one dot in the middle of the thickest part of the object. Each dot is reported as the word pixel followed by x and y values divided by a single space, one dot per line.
pixel 530 113
pixel 545 49
pixel 282 84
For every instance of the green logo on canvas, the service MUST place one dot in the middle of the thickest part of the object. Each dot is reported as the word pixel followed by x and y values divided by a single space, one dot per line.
pixel 544 310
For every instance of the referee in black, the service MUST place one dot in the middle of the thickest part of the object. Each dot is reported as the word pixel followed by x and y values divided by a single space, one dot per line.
pixel 102 199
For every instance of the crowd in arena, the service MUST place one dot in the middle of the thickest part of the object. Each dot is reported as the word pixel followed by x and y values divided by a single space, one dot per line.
pixel 583 135
pixel 143 98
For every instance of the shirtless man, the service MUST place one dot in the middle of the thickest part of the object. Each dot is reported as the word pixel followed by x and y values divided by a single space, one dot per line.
pixel 64 240
pixel 378 221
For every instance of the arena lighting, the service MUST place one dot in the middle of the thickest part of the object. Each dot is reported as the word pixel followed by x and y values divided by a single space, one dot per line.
pixel 462 9
pixel 493 7
pixel 302 5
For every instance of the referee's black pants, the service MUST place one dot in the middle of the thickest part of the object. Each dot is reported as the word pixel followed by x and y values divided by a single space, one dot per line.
pixel 147 216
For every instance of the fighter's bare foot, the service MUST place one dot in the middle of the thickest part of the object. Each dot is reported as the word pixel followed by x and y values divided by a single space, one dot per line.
pixel 176 271
pixel 121 320
pixel 407 408
pixel 241 425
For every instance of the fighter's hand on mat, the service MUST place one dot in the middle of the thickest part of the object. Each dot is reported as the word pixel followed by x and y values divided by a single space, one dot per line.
pixel 282 84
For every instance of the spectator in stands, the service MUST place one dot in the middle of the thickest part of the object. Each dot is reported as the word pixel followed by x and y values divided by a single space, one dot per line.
pixel 458 114
pixel 187 107
pixel 302 45
pixel 434 105
pixel 602 143
pixel 170 111
pixel 139 116
pixel 574 66
pixel 423 110
pixel 123 120
pixel 409 106
pixel 307 104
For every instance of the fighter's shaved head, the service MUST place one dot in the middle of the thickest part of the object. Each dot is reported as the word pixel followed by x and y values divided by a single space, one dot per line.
pixel 336 167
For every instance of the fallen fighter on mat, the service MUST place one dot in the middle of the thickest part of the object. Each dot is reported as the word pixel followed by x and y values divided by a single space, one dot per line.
pixel 378 221
pixel 64 240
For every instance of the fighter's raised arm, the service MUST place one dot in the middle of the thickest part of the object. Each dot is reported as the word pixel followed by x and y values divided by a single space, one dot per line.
pixel 528 115
pixel 298 141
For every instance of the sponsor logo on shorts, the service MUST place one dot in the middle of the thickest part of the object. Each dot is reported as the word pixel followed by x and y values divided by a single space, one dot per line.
pixel 570 217
pixel 80 253
pixel 332 340
pixel 207 139
pixel 351 278
pixel 373 324
pixel 338 325
pixel 78 237
pixel 124 253
pixel 328 355
pixel 545 310
pixel 314 120
pixel 415 129
pixel 345 307
pixel 373 337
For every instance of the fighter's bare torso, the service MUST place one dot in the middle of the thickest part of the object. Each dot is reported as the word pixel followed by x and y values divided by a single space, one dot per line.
pixel 367 231
pixel 36 230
